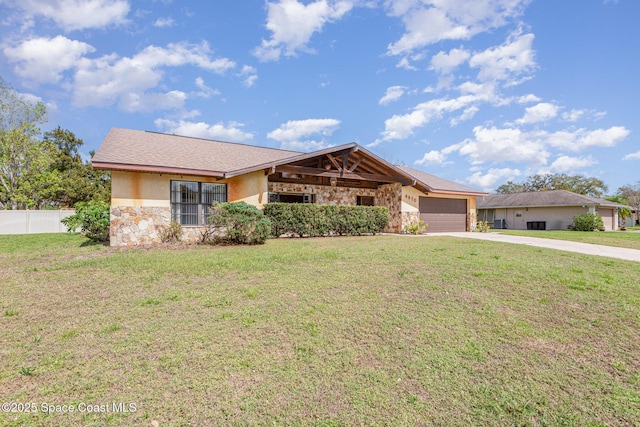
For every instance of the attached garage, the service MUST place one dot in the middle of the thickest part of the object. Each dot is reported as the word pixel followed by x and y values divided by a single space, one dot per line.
pixel 444 214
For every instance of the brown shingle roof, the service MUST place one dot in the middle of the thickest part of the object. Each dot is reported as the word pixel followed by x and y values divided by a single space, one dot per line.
pixel 125 149
pixel 437 184
pixel 541 198
pixel 149 151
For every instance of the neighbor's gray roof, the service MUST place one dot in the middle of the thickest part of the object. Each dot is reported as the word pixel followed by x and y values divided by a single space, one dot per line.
pixel 437 184
pixel 541 198
pixel 127 149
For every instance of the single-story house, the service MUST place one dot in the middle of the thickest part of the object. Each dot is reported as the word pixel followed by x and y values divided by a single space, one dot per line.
pixel 543 210
pixel 159 178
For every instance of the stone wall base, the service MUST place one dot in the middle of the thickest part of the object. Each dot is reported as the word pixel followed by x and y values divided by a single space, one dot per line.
pixel 133 226
pixel 410 218
pixel 137 225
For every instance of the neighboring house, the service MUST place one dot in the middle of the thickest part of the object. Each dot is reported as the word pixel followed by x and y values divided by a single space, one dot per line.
pixel 158 178
pixel 630 221
pixel 544 210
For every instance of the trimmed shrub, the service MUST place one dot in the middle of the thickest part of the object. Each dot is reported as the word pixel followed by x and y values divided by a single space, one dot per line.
pixel 416 227
pixel 310 220
pixel 92 218
pixel 238 223
pixel 587 222
pixel 172 233
pixel 483 226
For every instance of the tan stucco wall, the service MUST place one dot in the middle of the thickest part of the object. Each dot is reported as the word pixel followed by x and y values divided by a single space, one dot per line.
pixel 557 218
pixel 153 190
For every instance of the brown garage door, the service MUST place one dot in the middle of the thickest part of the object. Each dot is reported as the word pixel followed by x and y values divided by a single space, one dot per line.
pixel 444 214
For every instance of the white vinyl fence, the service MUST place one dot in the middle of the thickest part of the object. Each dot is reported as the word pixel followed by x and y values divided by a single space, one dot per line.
pixel 31 222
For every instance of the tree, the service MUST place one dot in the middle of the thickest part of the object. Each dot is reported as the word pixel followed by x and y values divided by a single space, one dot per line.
pixel 543 182
pixel 632 194
pixel 622 212
pixel 80 182
pixel 26 178
pixel 511 187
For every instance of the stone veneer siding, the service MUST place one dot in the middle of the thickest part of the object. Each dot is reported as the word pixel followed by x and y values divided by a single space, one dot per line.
pixel 388 195
pixel 137 225
pixel 410 218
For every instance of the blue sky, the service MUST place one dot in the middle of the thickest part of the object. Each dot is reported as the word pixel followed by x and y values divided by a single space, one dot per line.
pixel 479 92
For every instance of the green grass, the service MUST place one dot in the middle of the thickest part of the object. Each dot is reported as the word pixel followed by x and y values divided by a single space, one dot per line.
pixel 621 239
pixel 385 330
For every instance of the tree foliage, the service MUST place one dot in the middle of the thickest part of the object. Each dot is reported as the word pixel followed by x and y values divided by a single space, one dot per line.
pixel 631 193
pixel 26 177
pixel 80 182
pixel 622 212
pixel 37 173
pixel 579 184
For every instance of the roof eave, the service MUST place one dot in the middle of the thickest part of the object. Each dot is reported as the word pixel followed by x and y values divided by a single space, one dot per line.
pixel 155 169
pixel 286 160
pixel 538 206
pixel 462 193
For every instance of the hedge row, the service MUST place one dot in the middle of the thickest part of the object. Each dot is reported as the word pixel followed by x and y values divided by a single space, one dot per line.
pixel 308 220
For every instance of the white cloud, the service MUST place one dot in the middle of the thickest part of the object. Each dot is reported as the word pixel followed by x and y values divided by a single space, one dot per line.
pixel 431 21
pixel 573 115
pixel 43 60
pixel 404 63
pixel 581 139
pixel 392 94
pixel 504 145
pixel 541 112
pixel 445 62
pixel 231 131
pixel 205 91
pixel 299 134
pixel 164 22
pixel 249 74
pixel 403 126
pixel 78 14
pixel 568 164
pixel 467 114
pixel 433 157
pixel 632 156
pixel 293 23
pixel 132 102
pixel 488 180
pixel 497 145
pixel 512 59
pixel 526 99
pixel 105 80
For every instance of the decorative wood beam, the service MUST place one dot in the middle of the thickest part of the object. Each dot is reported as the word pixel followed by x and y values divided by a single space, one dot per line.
pixel 301 170
pixel 345 161
pixel 355 164
pixel 333 161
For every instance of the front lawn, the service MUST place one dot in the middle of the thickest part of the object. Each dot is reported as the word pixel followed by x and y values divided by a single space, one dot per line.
pixel 621 239
pixel 385 330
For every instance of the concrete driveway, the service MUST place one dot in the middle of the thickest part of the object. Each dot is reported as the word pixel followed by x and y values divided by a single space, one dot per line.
pixel 562 245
